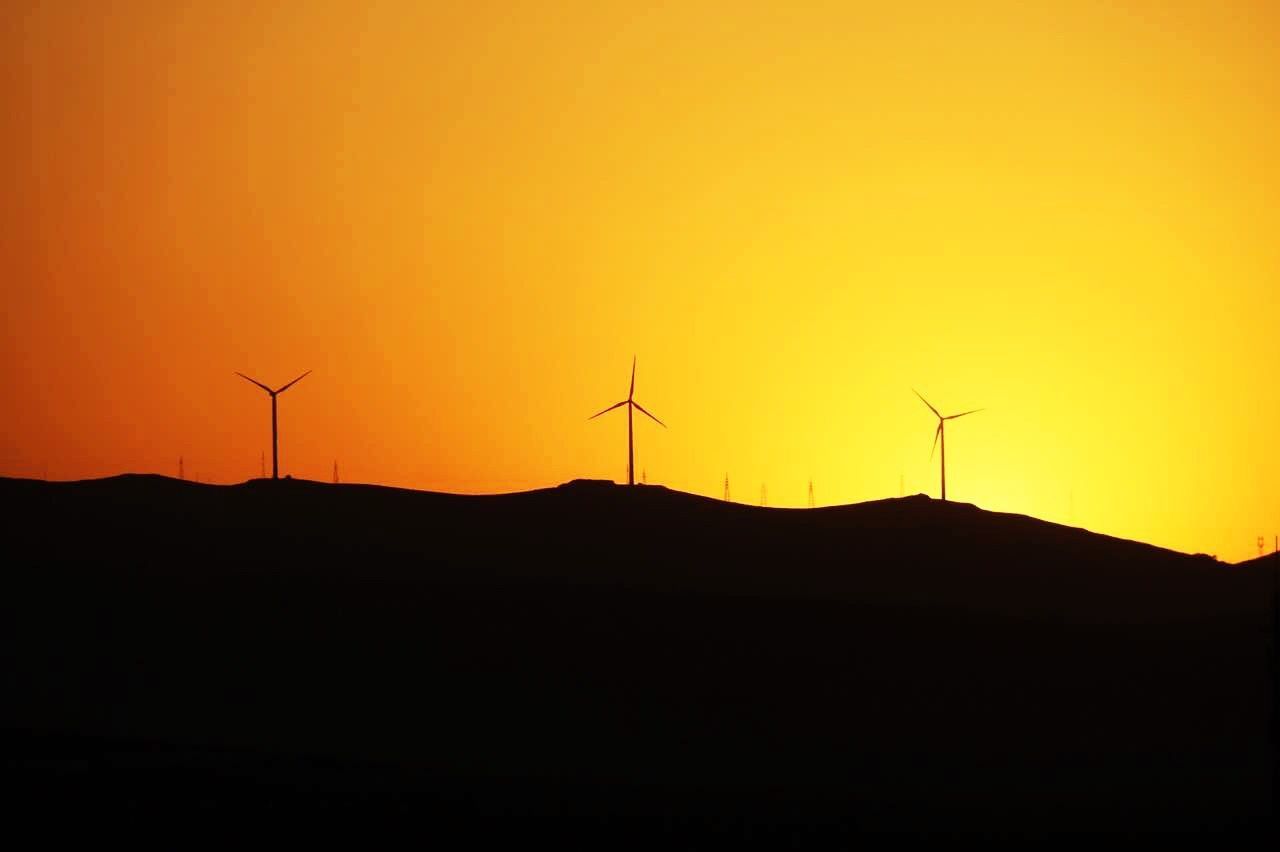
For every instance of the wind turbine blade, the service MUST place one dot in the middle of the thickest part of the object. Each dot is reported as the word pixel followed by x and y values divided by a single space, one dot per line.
pixel 926 402
pixel 610 408
pixel 632 392
pixel 294 382
pixel 255 381
pixel 651 417
pixel 936 435
pixel 963 413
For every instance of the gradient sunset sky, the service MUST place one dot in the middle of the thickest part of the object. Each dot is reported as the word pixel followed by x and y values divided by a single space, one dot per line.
pixel 467 217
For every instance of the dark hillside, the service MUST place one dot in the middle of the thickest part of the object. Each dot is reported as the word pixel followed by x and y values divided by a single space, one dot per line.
pixel 594 655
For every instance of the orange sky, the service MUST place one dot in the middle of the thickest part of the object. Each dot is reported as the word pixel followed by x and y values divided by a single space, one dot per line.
pixel 467 218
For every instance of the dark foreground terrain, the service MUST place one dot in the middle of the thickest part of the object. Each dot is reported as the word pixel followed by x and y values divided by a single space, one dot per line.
pixel 611 665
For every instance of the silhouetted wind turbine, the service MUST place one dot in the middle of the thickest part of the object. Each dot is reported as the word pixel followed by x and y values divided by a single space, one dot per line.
pixel 630 403
pixel 275 459
pixel 941 435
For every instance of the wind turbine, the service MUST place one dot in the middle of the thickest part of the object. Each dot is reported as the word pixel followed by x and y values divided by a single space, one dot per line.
pixel 941 436
pixel 630 403
pixel 275 460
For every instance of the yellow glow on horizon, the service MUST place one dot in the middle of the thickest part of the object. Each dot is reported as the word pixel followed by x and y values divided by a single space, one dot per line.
pixel 467 218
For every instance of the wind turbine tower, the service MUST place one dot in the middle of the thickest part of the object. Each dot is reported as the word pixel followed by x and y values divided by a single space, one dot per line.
pixel 726 488
pixel 811 503
pixel 940 436
pixel 275 444
pixel 631 405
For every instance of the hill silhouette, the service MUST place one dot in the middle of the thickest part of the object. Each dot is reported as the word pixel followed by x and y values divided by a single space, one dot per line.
pixel 600 659
pixel 1269 560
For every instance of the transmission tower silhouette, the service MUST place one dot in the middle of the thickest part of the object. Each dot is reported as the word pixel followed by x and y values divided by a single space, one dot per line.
pixel 644 476
pixel 726 488
pixel 1262 542
pixel 335 471
pixel 181 473
pixel 811 503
